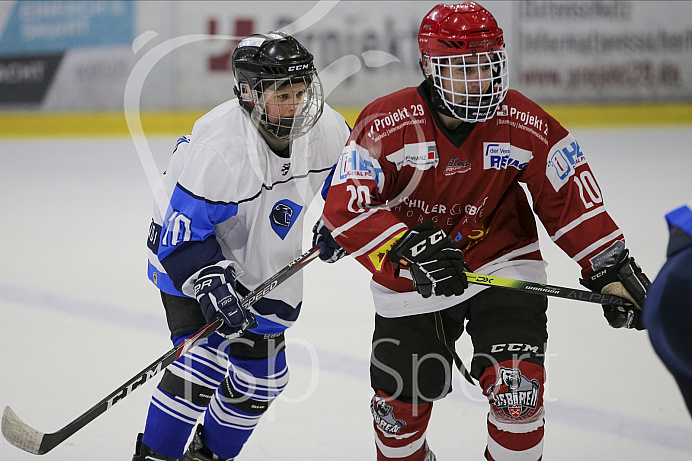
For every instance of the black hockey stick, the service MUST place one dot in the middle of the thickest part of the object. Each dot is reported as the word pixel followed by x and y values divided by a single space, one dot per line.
pixel 546 290
pixel 29 439
pixel 541 289
pixel 527 287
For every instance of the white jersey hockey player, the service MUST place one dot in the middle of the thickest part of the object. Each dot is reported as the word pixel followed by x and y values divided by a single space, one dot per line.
pixel 238 188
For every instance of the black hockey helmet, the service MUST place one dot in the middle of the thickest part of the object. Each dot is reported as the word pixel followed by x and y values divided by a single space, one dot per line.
pixel 265 63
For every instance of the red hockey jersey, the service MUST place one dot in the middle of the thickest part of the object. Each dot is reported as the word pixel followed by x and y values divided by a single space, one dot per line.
pixel 400 168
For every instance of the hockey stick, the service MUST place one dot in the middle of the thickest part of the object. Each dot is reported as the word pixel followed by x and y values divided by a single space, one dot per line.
pixel 541 289
pixel 530 287
pixel 29 439
pixel 526 287
pixel 546 290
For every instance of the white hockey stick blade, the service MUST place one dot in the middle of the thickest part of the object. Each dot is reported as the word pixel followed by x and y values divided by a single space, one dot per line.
pixel 20 434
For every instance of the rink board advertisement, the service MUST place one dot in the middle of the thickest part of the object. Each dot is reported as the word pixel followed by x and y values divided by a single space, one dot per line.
pixel 603 50
pixel 74 55
pixel 65 55
pixel 561 51
pixel 363 50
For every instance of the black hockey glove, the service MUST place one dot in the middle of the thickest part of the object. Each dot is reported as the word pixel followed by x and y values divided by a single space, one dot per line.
pixel 625 279
pixel 330 251
pixel 437 266
pixel 215 292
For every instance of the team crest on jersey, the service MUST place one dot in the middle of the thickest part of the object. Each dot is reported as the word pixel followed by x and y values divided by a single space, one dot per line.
pixel 457 166
pixel 513 393
pixel 384 416
pixel 284 214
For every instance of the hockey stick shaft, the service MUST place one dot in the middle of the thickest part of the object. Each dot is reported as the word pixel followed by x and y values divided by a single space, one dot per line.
pixel 535 288
pixel 29 439
pixel 540 288
pixel 545 290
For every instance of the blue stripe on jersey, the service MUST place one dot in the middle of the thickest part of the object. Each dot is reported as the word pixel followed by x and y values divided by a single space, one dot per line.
pixel 267 327
pixel 327 182
pixel 162 281
pixel 267 306
pixel 191 219
pixel 190 257
pixel 182 139
pixel 281 309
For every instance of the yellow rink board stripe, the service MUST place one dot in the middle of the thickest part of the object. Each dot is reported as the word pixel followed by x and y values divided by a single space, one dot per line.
pixel 85 124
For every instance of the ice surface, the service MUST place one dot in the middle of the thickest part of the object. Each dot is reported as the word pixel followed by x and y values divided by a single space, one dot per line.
pixel 78 317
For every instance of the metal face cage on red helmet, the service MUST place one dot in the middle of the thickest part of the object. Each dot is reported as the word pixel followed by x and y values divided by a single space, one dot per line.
pixel 276 82
pixel 462 52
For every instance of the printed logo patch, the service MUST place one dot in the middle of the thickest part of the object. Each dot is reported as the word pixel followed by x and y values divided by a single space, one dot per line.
pixel 421 156
pixel 384 417
pixel 377 257
pixel 355 163
pixel 502 155
pixel 457 166
pixel 513 393
pixel 564 159
pixel 283 215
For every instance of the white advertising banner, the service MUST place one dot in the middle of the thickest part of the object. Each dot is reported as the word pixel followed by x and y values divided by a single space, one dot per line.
pixel 603 50
pixel 362 49
pixel 63 55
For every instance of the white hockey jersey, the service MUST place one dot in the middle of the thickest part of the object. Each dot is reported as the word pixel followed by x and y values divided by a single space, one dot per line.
pixel 229 197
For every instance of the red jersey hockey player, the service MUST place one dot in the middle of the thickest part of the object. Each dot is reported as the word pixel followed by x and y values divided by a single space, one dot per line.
pixel 430 182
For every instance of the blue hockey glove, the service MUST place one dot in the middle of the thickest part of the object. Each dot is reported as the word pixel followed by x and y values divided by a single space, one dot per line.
pixel 622 277
pixel 330 251
pixel 215 292
pixel 437 266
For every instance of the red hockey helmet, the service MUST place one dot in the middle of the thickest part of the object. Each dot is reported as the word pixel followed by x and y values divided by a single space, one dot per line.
pixel 466 28
pixel 464 40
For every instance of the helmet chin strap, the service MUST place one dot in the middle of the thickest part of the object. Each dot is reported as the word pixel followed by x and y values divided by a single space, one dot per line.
pixel 437 102
pixel 283 128
pixel 243 102
pixel 277 145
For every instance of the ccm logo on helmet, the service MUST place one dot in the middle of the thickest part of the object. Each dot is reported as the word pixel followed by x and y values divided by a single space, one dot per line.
pixel 298 67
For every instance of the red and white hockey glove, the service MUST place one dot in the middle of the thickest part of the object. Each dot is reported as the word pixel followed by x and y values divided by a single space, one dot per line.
pixel 437 266
pixel 215 292
pixel 623 278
